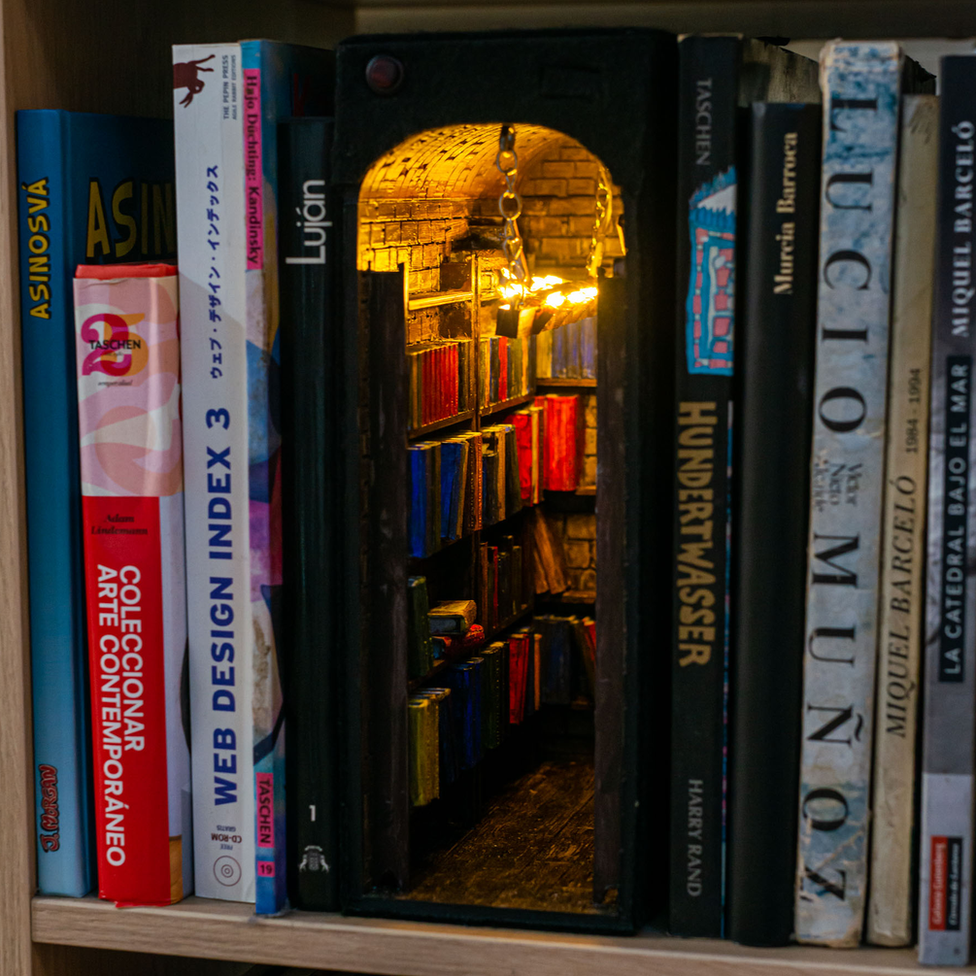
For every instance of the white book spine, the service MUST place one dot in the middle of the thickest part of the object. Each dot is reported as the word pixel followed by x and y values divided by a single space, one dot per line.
pixel 208 90
pixel 861 86
pixel 903 554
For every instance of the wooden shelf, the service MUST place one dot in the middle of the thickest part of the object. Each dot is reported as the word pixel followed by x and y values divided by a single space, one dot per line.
pixel 494 408
pixel 579 383
pixel 433 299
pixel 228 930
pixel 458 418
pixel 586 490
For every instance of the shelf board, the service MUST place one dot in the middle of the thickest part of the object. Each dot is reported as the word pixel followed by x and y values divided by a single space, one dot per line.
pixel 458 418
pixel 579 384
pixel 229 930
pixel 586 490
pixel 434 298
pixel 494 408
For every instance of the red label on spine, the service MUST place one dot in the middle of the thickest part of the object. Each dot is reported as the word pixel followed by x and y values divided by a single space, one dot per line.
pixel 265 808
pixel 125 632
pixel 938 872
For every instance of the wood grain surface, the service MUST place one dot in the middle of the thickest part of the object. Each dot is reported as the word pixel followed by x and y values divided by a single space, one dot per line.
pixel 226 930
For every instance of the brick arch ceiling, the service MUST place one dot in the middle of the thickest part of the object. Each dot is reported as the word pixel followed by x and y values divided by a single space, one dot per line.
pixel 452 163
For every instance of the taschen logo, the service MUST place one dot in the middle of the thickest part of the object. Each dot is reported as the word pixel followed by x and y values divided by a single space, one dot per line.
pixel 186 74
pixel 114 350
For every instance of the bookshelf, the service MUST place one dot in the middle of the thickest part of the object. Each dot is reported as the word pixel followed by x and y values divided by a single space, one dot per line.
pixel 106 57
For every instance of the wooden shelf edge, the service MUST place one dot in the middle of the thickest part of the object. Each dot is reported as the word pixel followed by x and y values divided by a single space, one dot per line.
pixel 228 930
pixel 501 405
pixel 436 298
pixel 554 381
pixel 418 433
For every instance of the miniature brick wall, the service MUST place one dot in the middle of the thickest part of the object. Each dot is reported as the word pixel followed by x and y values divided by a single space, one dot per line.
pixel 436 188
pixel 559 204
pixel 578 532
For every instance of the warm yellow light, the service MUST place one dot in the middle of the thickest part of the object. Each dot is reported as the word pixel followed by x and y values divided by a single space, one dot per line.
pixel 554 300
pixel 582 296
pixel 545 281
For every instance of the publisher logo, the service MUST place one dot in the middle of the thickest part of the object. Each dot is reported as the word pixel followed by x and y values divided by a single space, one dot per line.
pixel 186 74
pixel 265 803
pixel 227 871
pixel 49 835
pixel 113 348
pixel 945 884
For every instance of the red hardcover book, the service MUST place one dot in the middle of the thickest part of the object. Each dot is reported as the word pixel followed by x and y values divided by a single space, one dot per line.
pixel 425 387
pixel 127 344
pixel 562 443
pixel 435 400
pixel 443 396
pixel 518 669
pixel 443 392
pixel 522 422
pixel 456 376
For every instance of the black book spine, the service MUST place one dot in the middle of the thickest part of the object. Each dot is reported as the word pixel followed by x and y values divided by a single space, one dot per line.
pixel 707 87
pixel 773 381
pixel 307 231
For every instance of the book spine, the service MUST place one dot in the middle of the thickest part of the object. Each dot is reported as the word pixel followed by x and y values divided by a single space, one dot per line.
pixel 55 560
pixel 707 187
pixel 946 842
pixel 861 86
pixel 268 95
pixel 772 433
pixel 306 263
pixel 208 123
pixel 900 638
pixel 132 499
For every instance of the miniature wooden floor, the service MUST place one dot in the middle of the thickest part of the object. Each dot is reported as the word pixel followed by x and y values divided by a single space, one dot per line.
pixel 533 849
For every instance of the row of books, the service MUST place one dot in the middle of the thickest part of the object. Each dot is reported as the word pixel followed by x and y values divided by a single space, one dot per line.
pixel 840 362
pixel 506 367
pixel 440 381
pixel 478 701
pixel 537 448
pixel 501 581
pixel 568 351
pixel 119 407
pixel 848 500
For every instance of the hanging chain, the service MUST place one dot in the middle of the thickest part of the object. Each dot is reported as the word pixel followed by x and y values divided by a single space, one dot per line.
pixel 601 221
pixel 510 207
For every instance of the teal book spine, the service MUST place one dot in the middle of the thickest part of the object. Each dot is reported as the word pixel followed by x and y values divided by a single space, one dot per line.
pixel 91 189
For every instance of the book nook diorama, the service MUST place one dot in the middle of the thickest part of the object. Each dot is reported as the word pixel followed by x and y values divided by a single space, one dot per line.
pixel 502 695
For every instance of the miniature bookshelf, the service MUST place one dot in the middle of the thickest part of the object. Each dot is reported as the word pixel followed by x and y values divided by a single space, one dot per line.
pixel 108 58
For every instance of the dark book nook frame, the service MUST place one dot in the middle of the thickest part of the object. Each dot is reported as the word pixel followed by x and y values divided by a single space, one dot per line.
pixel 613 91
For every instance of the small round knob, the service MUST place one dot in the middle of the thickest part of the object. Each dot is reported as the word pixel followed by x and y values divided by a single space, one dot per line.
pixel 384 74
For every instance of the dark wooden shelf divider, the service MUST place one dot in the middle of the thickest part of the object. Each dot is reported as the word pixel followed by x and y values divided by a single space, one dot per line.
pixel 458 418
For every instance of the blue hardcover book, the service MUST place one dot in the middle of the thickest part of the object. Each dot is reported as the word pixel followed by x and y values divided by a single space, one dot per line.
pixel 451 453
pixel 588 348
pixel 465 682
pixel 574 357
pixel 280 81
pixel 92 189
pixel 559 359
pixel 417 458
